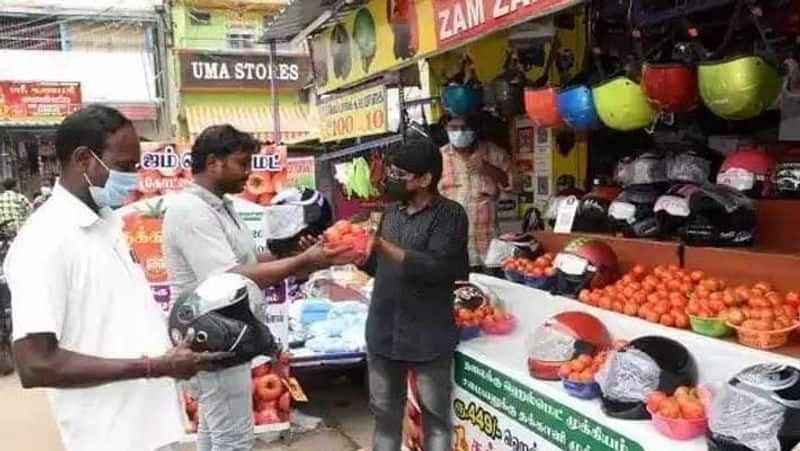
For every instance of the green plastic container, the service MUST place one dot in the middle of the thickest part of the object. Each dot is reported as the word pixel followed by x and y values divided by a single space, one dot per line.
pixel 710 327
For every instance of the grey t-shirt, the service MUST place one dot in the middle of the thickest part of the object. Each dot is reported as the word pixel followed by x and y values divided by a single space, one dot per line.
pixel 203 236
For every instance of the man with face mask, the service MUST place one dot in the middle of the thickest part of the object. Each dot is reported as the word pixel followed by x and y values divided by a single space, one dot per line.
pixel 44 193
pixel 85 323
pixel 474 174
pixel 418 255
pixel 203 236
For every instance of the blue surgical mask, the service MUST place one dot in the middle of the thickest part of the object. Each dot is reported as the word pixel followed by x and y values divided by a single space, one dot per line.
pixel 461 139
pixel 118 186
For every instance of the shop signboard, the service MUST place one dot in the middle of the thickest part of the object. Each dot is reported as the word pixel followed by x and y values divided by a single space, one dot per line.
pixel 493 411
pixel 301 172
pixel 218 70
pixel 359 113
pixel 38 101
pixel 460 21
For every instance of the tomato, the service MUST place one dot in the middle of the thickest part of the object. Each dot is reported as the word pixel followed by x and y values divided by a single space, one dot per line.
pixel 669 408
pixel 537 272
pixel 681 319
pixel 639 270
pixel 617 306
pixel 697 276
pixel 667 320
pixel 652 316
pixel 793 298
pixel 550 271
pixel 692 409
pixel 584 296
pixel 661 307
pixel 735 316
pixel 763 286
pixel 758 302
pixel 630 309
pixel 605 303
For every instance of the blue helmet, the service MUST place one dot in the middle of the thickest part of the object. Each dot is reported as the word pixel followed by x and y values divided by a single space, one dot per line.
pixel 577 108
pixel 461 100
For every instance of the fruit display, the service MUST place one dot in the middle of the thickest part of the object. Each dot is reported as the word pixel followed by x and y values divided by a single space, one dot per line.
pixel 191 407
pixel 271 399
pixel 531 272
pixel 578 375
pixel 684 298
pixel 345 233
pixel 681 416
pixel 486 319
pixel 659 297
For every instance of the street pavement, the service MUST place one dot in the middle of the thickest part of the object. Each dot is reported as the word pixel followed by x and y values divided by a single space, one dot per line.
pixel 27 425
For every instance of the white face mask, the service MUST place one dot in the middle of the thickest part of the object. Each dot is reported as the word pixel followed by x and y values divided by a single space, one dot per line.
pixel 461 139
pixel 116 189
pixel 571 264
pixel 738 179
pixel 46 190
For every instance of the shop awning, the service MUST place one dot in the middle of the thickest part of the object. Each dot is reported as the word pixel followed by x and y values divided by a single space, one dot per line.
pixel 304 16
pixel 298 122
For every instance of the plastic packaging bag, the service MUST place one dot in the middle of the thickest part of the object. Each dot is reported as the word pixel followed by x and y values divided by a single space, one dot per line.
pixel 747 418
pixel 628 376
pixel 549 344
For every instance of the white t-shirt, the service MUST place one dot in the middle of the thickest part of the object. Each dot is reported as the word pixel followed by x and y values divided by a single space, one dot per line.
pixel 71 273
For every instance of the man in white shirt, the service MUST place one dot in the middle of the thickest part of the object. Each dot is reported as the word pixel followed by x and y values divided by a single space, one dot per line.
pixel 85 322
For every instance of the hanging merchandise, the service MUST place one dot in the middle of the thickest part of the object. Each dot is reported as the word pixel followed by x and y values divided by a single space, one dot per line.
pixel 562 338
pixel 739 88
pixel 462 95
pixel 364 36
pixel 757 410
pixel 585 263
pixel 786 179
pixel 647 168
pixel 402 15
pixel 790 104
pixel 748 170
pixel 622 105
pixel 672 209
pixel 632 213
pixel 641 367
pixel 671 88
pixel 360 182
pixel 505 93
pixel 576 106
pixel 592 214
pixel 340 49
pixel 718 216
pixel 542 107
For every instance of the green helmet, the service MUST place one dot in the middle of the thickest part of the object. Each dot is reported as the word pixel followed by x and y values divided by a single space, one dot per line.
pixel 622 105
pixel 740 88
pixel 365 37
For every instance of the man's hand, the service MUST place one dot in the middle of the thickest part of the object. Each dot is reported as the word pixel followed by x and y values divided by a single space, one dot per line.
pixel 307 241
pixel 321 256
pixel 182 363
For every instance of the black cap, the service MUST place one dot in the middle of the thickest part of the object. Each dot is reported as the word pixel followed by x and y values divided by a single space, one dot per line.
pixel 419 157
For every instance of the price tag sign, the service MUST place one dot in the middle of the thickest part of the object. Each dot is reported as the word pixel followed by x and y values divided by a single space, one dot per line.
pixel 566 215
pixel 361 113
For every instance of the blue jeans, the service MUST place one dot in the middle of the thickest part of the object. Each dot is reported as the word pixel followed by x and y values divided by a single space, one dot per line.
pixel 387 392
pixel 226 409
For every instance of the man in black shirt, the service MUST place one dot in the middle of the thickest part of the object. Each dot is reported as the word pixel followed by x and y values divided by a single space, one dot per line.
pixel 420 252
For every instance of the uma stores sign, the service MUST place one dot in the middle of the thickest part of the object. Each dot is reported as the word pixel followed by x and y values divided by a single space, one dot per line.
pixel 224 70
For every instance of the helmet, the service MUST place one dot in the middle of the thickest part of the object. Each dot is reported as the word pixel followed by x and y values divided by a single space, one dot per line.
pixel 294 212
pixel 644 169
pixel 562 338
pixel 718 216
pixel 632 211
pixel 671 88
pixel 622 105
pixel 364 36
pixel 748 170
pixel 786 179
pixel 228 314
pixel 688 167
pixel 740 88
pixel 641 367
pixel 672 209
pixel 542 107
pixel 592 214
pixel 461 100
pixel 507 94
pixel 576 106
pixel 585 263
pixel 757 409
pixel 340 49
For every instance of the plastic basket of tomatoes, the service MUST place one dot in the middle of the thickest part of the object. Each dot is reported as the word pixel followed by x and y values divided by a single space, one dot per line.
pixel 577 376
pixel 710 326
pixel 681 416
pixel 764 334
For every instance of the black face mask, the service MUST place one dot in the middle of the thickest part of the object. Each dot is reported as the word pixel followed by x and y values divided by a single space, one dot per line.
pixel 397 190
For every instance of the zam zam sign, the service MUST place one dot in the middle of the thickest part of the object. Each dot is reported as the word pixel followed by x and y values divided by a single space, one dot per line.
pixel 458 21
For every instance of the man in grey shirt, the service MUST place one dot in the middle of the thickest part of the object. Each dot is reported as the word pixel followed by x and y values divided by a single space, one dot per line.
pixel 202 237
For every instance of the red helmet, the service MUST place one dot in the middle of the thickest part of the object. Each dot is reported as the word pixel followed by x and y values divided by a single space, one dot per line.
pixel 542 107
pixel 748 170
pixel 596 260
pixel 671 88
pixel 561 339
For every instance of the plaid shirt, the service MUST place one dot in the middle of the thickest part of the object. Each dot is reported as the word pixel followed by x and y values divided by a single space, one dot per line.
pixel 14 207
pixel 477 193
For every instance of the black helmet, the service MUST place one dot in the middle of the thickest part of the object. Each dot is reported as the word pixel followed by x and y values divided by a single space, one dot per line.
pixel 592 214
pixel 292 213
pixel 643 366
pixel 688 167
pixel 672 209
pixel 759 409
pixel 719 216
pixel 228 314
pixel 647 168
pixel 632 212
